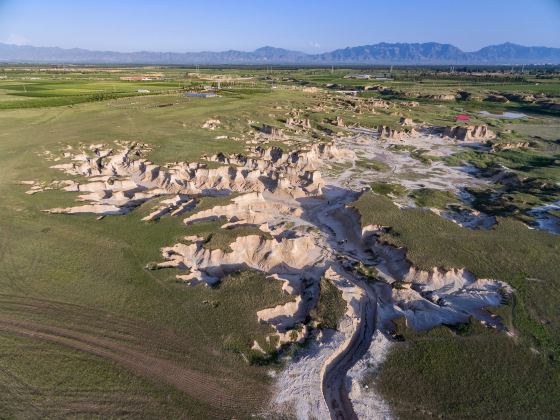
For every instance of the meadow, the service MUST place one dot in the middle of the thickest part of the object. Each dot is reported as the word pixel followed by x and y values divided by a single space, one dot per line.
pixel 88 276
pixel 473 371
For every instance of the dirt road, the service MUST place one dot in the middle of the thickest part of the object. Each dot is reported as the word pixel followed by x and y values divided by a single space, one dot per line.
pixel 341 232
pixel 145 351
pixel 334 380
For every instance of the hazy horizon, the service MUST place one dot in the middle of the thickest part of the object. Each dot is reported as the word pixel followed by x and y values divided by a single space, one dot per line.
pixel 254 49
pixel 175 26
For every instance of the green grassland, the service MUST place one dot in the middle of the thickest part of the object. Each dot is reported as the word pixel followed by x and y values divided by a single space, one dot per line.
pixel 485 372
pixel 40 93
pixel 374 165
pixel 98 267
pixel 58 384
pixel 385 188
pixel 469 373
pixel 37 88
pixel 427 197
pixel 330 307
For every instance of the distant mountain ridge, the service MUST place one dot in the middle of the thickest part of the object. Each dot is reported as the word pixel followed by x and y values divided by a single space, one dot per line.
pixel 381 53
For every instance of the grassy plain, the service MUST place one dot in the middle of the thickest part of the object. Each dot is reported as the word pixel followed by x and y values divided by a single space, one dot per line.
pixel 473 373
pixel 330 307
pixel 427 197
pixel 486 371
pixel 87 276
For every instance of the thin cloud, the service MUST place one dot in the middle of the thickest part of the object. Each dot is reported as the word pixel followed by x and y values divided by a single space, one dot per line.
pixel 16 39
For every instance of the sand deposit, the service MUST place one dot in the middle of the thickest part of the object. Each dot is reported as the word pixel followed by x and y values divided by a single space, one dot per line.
pixel 401 156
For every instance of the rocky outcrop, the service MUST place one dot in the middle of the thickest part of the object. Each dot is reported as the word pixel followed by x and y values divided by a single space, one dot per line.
pixel 498 147
pixel 273 132
pixel 440 97
pixel 373 87
pixel 274 256
pixel 298 123
pixel 289 259
pixel 380 103
pixel 446 297
pixel 337 122
pixel 274 157
pixel 427 298
pixel 211 124
pixel 118 182
pixel 520 97
pixel 384 131
pixel 468 132
pixel 496 98
pixel 463 95
pixel 250 208
pixel 407 122
pixel 175 205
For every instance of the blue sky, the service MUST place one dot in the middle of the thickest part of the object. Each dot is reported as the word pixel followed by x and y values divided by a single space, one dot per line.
pixel 305 25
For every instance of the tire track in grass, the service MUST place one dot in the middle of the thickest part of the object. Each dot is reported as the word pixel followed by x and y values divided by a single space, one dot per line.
pixel 194 384
pixel 147 350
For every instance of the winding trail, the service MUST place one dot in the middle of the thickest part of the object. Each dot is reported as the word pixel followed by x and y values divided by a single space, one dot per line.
pixel 340 229
pixel 335 373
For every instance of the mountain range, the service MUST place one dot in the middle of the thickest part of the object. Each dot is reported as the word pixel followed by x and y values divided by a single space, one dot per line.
pixel 381 53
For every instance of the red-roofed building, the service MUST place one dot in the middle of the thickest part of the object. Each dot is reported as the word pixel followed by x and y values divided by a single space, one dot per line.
pixel 462 117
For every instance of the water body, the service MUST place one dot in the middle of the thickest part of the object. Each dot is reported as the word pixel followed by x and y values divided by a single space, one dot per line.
pixel 508 115
pixel 546 221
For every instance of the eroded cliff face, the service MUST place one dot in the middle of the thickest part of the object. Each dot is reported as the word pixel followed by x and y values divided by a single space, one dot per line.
pixel 384 131
pixel 290 260
pixel 497 147
pixel 440 97
pixel 118 180
pixel 293 122
pixel 469 132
